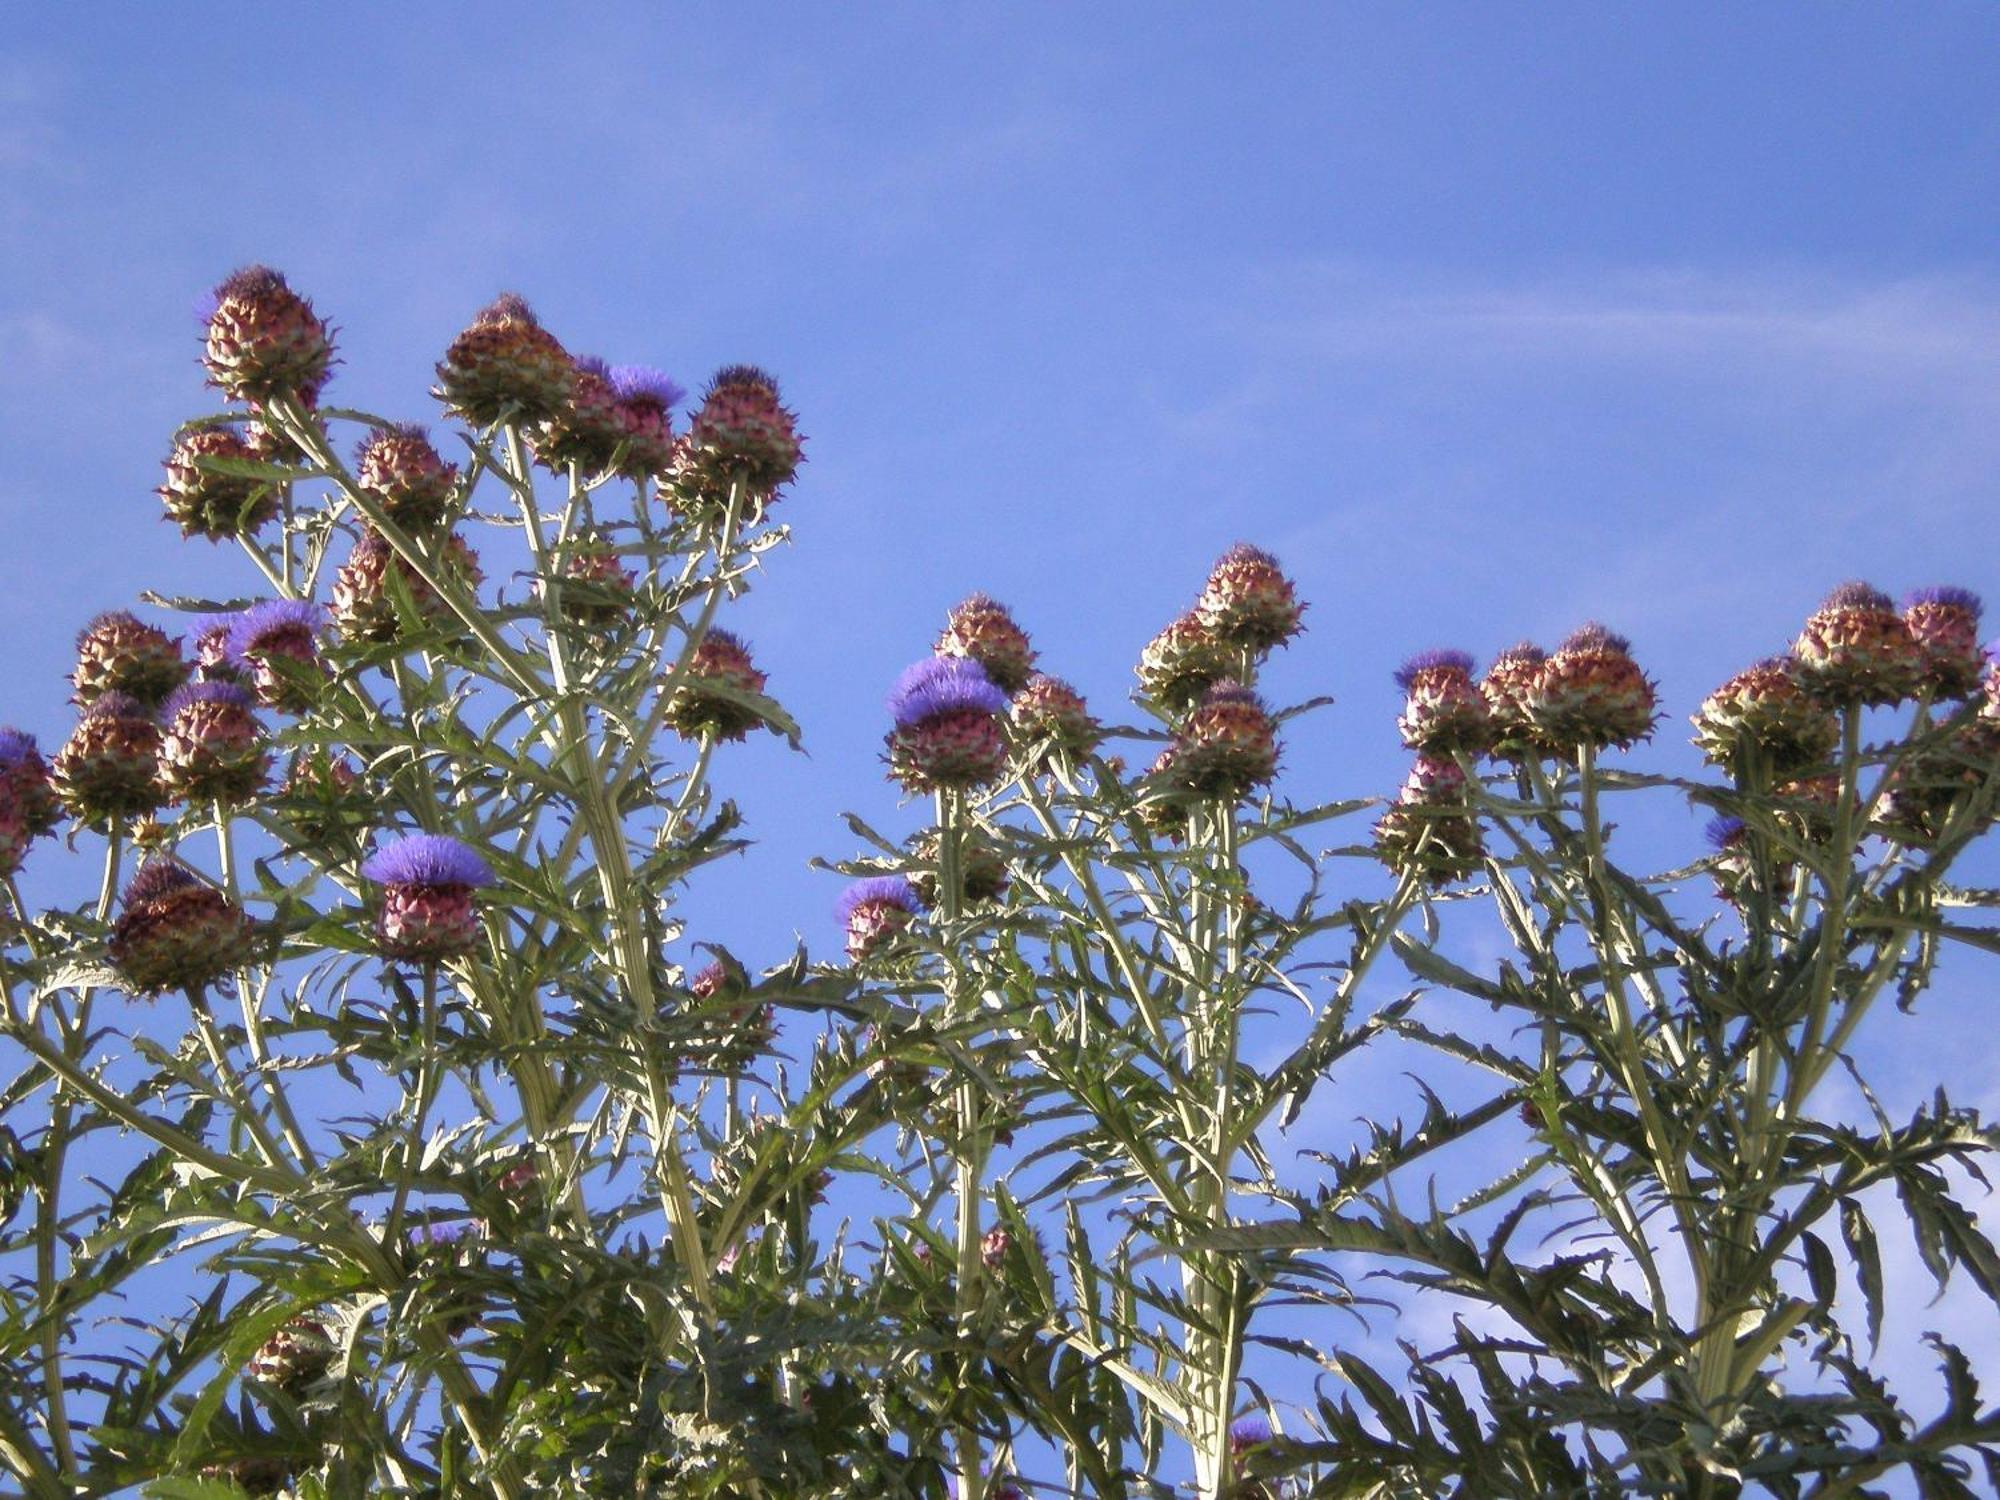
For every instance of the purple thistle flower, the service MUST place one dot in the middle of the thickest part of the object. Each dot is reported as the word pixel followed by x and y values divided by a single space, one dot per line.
pixel 1722 832
pixel 267 618
pixel 206 692
pixel 590 364
pixel 1596 637
pixel 1947 595
pixel 741 377
pixel 443 1233
pixel 16 746
pixel 429 860
pixel 941 685
pixel 878 890
pixel 1856 594
pixel 645 383
pixel 1248 1432
pixel 157 878
pixel 116 705
pixel 1431 661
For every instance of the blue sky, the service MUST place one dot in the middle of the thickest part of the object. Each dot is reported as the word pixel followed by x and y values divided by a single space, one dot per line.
pixel 1486 319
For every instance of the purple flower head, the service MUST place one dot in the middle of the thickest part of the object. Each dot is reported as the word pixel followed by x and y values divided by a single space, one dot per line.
pixel 1431 661
pixel 877 890
pixel 17 746
pixel 414 432
pixel 157 878
pixel 941 685
pixel 206 692
pixel 743 377
pixel 644 383
pixel 269 618
pixel 117 706
pixel 1722 832
pixel 1858 595
pixel 427 859
pixel 1248 1432
pixel 590 364
pixel 1949 597
pixel 1521 653
pixel 250 281
pixel 1594 637
pixel 1229 690
pixel 443 1233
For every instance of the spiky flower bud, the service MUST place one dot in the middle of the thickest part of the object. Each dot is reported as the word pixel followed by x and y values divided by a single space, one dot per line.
pixel 874 912
pixel 25 777
pixel 295 1355
pixel 1944 622
pixel 1768 711
pixel 597 587
pixel 268 441
pixel 368 606
pixel 1248 602
pixel 586 429
pixel 646 399
pixel 1049 712
pixel 742 434
pixel 705 701
pixel 209 642
pixel 1855 649
pixel 505 365
pixel 982 630
pixel 264 340
pixel 1227 745
pixel 1182 662
pixel 428 912
pixel 276 642
pixel 1444 712
pixel 1734 864
pixel 1505 689
pixel 108 769
pixel 400 468
pixel 1431 831
pixel 1591 693
pixel 982 869
pixel 118 653
pixel 177 932
pixel 947 735
pixel 212 748
pixel 210 502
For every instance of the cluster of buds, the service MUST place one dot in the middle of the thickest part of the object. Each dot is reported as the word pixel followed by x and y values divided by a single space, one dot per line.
pixel 264 341
pixel 428 913
pixel 404 474
pixel 948 734
pixel 1444 712
pixel 177 932
pixel 1431 832
pixel 1733 866
pixel 742 437
pixel 597 587
pixel 108 769
pixel 1050 715
pixel 983 630
pixel 119 653
pixel 1857 650
pixel 1944 623
pixel 378 590
pixel 276 642
pixel 1225 747
pixel 874 912
pixel 205 496
pixel 1767 714
pixel 982 869
pixel 212 747
pixel 707 701
pixel 293 1357
pixel 1590 693
pixel 505 367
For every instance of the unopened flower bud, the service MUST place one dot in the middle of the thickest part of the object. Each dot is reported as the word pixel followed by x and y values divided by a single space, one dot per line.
pixel 1768 712
pixel 707 701
pixel 378 591
pixel 1227 745
pixel 25 776
pixel 264 340
pixel 404 473
pixel 108 769
pixel 1431 831
pixel 1048 712
pixel 176 931
pixel 212 747
pixel 294 1356
pixel 1248 602
pixel 1182 662
pixel 586 429
pixel 983 630
pixel 208 501
pixel 982 870
pixel 1856 649
pixel 118 653
pixel 1505 688
pixel 1444 712
pixel 1944 622
pixel 1591 693
pixel 505 366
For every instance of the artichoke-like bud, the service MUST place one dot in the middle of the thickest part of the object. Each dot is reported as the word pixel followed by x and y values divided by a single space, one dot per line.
pixel 429 912
pixel 702 704
pixel 1769 710
pixel 874 912
pixel 108 769
pixel 365 601
pixel 210 502
pixel 209 643
pixel 748 1027
pixel 295 1355
pixel 119 653
pixel 1807 805
pixel 24 776
pixel 15 835
pixel 269 442
pixel 264 340
pixel 505 365
pixel 400 468
pixel 982 869
pixel 587 428
pixel 1930 785
pixel 948 736
pixel 276 641
pixel 1444 711
pixel 1505 688
pixel 1944 622
pixel 597 587
pixel 1182 662
pixel 646 401
pixel 177 932
pixel 212 747
pixel 1591 693
pixel 1855 649
pixel 981 629
pixel 1248 602
pixel 1733 864
pixel 1227 745
pixel 741 435
pixel 259 1474
pixel 1431 831
pixel 1247 1436
pixel 322 794
pixel 1049 712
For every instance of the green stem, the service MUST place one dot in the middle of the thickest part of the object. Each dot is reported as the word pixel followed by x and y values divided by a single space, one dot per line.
pixel 971 1152
pixel 248 998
